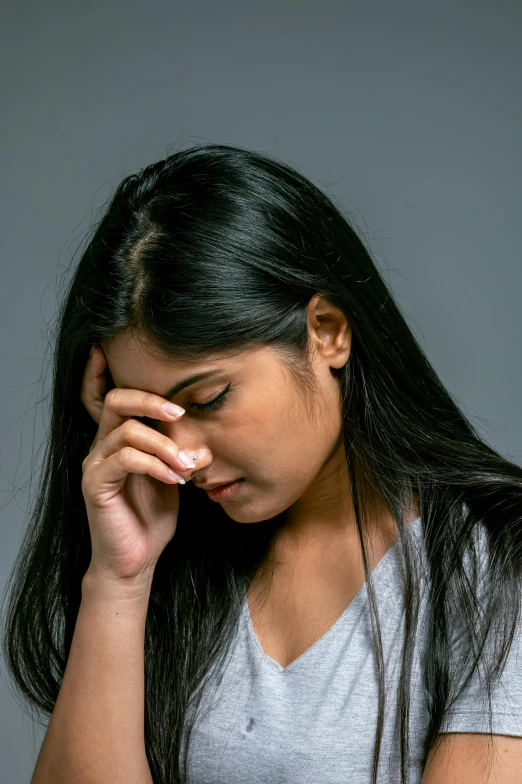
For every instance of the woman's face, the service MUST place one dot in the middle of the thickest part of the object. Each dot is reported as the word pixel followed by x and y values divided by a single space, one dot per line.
pixel 290 456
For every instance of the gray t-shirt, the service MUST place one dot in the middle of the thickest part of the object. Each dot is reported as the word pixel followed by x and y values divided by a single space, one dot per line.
pixel 314 721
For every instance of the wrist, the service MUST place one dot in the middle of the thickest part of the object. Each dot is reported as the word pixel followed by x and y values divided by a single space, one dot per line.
pixel 125 589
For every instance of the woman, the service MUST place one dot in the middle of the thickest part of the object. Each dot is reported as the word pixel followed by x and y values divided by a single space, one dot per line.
pixel 347 609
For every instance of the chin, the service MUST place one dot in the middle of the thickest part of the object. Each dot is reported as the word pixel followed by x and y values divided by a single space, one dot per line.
pixel 251 516
pixel 242 517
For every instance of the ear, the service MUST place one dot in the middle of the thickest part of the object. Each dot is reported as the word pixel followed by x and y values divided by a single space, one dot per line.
pixel 96 382
pixel 330 330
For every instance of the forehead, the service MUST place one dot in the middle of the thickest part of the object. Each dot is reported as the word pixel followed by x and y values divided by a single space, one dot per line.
pixel 136 364
pixel 132 361
pixel 125 347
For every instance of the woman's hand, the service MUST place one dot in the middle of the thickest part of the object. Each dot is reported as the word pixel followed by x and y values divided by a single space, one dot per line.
pixel 132 500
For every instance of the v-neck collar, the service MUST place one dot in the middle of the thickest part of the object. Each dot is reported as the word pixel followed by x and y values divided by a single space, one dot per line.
pixel 351 609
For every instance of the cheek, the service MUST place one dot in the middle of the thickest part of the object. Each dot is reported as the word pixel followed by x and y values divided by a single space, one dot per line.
pixel 275 435
pixel 254 438
pixel 281 438
pixel 250 433
pixel 305 441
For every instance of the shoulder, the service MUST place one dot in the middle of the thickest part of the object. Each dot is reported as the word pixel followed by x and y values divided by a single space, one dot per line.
pixel 480 738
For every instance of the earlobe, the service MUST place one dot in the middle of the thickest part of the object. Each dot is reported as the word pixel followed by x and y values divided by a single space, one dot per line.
pixel 93 411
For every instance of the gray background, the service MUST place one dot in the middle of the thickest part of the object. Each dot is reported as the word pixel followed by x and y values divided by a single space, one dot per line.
pixel 409 114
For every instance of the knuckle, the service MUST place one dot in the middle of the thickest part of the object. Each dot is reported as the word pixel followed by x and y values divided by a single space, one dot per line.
pixel 131 426
pixel 126 454
pixel 89 456
pixel 150 400
pixel 111 397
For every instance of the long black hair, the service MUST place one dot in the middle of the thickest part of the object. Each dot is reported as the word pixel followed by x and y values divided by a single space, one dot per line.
pixel 216 249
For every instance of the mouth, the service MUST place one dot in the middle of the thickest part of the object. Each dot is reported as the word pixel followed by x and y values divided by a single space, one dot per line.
pixel 225 492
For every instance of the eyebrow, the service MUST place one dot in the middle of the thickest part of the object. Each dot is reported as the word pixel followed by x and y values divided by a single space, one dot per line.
pixel 187 382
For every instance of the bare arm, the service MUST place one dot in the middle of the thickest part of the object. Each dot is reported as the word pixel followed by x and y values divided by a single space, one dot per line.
pixel 96 731
pixel 467 758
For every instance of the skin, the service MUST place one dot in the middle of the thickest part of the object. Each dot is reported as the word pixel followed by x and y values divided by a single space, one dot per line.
pixel 263 432
pixel 293 462
pixel 469 758
pixel 290 450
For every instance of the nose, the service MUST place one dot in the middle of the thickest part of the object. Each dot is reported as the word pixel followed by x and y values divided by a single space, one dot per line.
pixel 192 453
pixel 185 439
pixel 201 458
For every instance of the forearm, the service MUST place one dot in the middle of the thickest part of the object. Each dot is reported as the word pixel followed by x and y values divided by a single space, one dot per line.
pixel 96 731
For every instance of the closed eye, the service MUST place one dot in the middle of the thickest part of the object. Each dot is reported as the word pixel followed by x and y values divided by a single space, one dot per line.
pixel 218 401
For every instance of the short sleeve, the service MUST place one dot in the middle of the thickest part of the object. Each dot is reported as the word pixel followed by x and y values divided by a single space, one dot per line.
pixel 470 712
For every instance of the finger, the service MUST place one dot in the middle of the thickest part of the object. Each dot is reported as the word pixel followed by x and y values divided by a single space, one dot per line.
pixel 139 436
pixel 118 466
pixel 121 404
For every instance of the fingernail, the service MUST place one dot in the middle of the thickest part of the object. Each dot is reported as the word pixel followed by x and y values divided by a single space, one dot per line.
pixel 173 409
pixel 177 476
pixel 186 460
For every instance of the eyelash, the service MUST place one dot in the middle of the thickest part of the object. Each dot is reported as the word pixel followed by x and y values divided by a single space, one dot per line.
pixel 218 401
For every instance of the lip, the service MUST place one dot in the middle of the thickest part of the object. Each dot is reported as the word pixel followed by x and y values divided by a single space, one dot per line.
pixel 214 485
pixel 224 492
